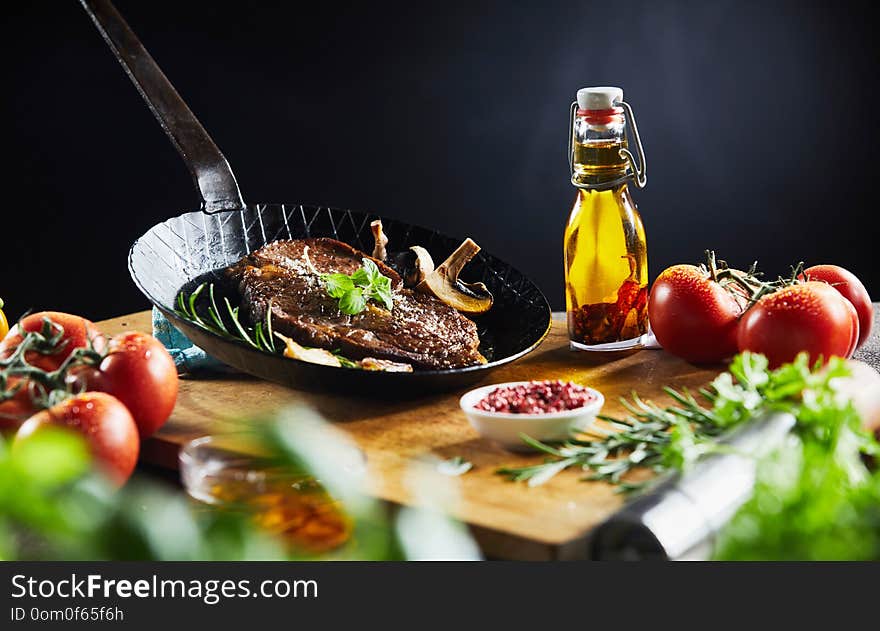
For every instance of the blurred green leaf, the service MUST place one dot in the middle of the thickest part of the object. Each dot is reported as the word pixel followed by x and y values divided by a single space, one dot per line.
pixel 51 456
pixel 814 498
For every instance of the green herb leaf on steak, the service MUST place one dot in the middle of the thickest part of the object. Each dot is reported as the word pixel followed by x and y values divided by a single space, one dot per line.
pixel 354 291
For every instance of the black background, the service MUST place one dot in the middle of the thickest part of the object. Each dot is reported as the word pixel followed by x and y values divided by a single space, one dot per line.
pixel 758 121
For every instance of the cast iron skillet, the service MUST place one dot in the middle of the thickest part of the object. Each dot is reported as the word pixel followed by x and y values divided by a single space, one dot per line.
pixel 182 251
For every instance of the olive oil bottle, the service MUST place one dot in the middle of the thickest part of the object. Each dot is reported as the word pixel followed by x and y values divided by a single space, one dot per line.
pixel 605 252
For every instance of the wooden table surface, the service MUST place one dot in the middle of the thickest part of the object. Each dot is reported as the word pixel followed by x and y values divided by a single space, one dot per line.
pixel 509 520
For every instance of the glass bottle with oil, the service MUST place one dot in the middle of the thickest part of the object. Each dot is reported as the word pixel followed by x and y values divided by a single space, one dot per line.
pixel 232 473
pixel 606 262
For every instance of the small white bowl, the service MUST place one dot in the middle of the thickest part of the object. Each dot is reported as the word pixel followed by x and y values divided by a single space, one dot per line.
pixel 505 427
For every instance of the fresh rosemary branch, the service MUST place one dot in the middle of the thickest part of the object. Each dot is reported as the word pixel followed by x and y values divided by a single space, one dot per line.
pixel 659 439
pixel 260 336
pixel 649 438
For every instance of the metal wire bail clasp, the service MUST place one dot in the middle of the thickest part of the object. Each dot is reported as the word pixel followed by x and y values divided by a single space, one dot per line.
pixel 640 174
pixel 637 171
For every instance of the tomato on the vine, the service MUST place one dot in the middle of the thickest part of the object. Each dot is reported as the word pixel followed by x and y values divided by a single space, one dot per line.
pixel 138 371
pixel 105 422
pixel 807 317
pixel 62 334
pixel 16 405
pixel 851 288
pixel 693 316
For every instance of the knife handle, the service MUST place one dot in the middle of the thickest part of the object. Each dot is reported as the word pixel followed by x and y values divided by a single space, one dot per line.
pixel 681 516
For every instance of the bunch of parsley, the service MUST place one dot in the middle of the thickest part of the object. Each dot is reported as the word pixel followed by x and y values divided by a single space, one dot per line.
pixel 815 497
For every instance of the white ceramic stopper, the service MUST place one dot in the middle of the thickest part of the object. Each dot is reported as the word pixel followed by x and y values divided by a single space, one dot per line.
pixel 599 98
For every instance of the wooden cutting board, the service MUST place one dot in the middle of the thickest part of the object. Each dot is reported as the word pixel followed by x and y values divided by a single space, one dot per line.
pixel 509 520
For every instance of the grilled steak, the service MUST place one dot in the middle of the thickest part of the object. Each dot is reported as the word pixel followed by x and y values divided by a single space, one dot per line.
pixel 284 277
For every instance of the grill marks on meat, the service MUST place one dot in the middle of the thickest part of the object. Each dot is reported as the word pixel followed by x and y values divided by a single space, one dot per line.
pixel 420 329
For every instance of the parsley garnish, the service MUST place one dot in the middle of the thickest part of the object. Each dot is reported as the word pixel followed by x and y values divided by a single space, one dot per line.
pixel 354 291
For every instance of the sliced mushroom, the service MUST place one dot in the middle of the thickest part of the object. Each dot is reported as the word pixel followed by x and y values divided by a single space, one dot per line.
pixel 443 282
pixel 379 251
pixel 311 355
pixel 326 358
pixel 422 267
pixel 384 365
pixel 413 265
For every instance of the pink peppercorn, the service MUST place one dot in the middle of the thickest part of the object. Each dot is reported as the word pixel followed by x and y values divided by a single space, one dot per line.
pixel 536 397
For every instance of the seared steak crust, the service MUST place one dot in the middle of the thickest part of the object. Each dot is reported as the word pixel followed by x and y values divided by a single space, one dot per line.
pixel 284 277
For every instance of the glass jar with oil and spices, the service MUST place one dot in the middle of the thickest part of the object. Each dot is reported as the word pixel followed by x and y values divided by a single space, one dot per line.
pixel 605 252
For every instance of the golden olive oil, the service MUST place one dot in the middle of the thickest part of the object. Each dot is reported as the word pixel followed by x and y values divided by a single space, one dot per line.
pixel 606 268
pixel 593 160
pixel 298 510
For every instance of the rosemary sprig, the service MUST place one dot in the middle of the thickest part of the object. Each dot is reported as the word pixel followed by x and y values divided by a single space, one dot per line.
pixel 214 311
pixel 637 441
pixel 658 439
pixel 259 336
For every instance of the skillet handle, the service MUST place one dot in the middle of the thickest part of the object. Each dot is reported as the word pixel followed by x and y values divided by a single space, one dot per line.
pixel 209 168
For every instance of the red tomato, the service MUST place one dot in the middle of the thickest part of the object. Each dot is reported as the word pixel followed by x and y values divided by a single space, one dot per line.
pixel 809 317
pixel 139 372
pixel 17 409
pixel 850 288
pixel 693 316
pixel 854 318
pixel 104 421
pixel 76 333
